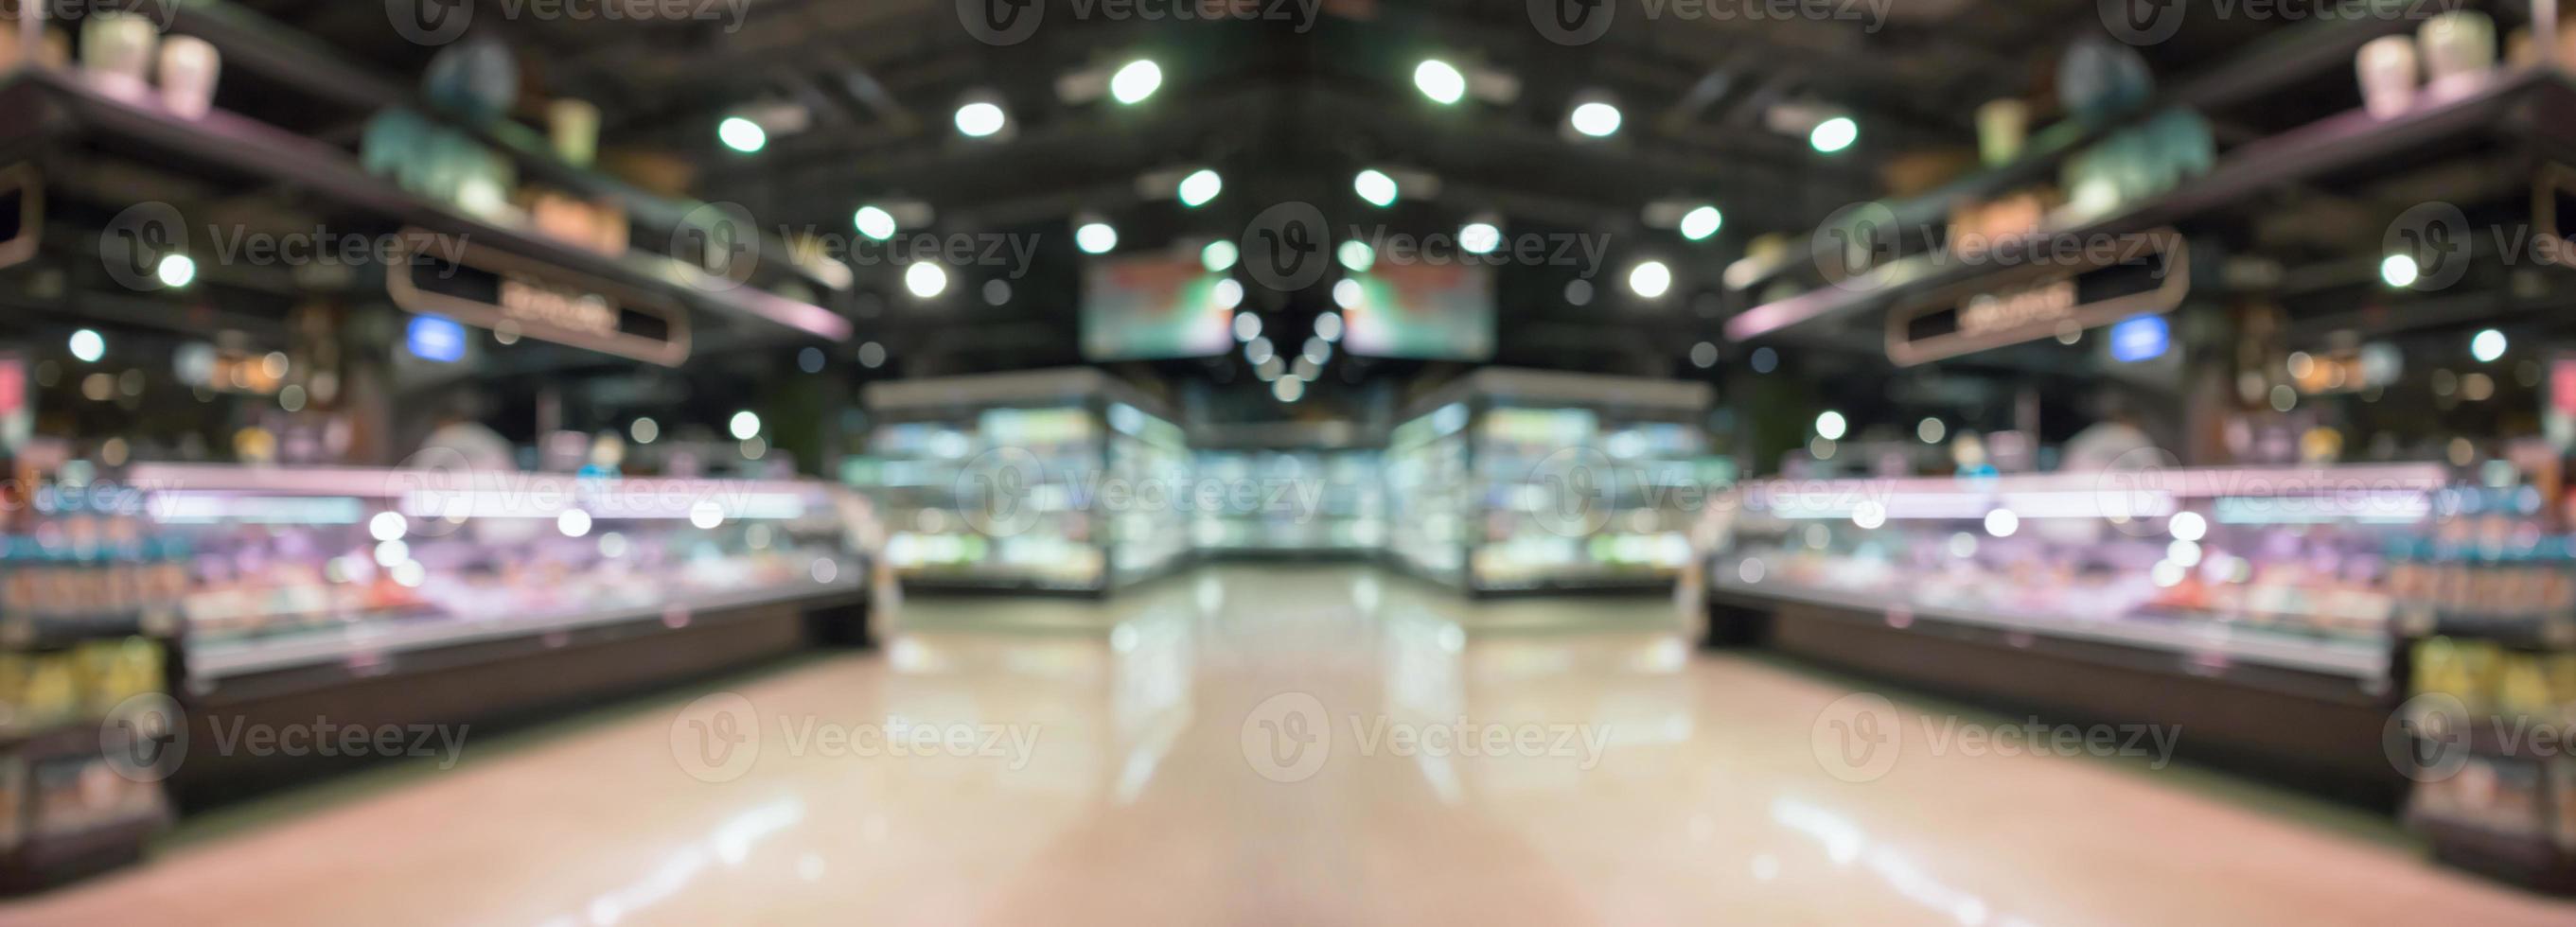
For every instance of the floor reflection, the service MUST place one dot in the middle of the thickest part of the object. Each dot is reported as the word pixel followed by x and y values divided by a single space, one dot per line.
pixel 1277 745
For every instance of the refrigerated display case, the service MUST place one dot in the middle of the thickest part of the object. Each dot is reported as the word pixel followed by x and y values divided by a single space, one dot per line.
pixel 1522 480
pixel 365 571
pixel 1288 490
pixel 2256 607
pixel 1058 480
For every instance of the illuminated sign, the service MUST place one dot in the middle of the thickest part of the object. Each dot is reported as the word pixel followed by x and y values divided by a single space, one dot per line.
pixel 435 338
pixel 490 288
pixel 2142 274
pixel 2142 338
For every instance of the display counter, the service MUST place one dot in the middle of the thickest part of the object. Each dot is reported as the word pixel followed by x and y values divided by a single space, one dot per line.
pixel 451 596
pixel 1522 480
pixel 1059 480
pixel 2256 608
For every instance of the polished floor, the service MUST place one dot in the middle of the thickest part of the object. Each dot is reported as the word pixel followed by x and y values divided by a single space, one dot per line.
pixel 1291 746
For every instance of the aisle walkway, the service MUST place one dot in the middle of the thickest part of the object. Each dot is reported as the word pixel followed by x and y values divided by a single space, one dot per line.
pixel 1291 746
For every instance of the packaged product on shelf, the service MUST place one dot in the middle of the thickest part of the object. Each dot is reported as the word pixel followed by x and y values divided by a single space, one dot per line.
pixel 75 794
pixel 115 670
pixel 38 691
pixel 2498 794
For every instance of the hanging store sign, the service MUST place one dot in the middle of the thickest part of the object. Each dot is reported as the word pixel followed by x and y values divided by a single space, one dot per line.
pixel 493 289
pixel 2145 274
pixel 22 213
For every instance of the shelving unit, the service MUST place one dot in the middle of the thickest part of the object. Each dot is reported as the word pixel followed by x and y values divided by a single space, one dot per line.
pixel 2536 106
pixel 1524 480
pixel 55 107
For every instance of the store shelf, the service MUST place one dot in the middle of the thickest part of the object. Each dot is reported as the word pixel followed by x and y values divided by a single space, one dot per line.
pixel 2349 140
pixel 2184 635
pixel 42 104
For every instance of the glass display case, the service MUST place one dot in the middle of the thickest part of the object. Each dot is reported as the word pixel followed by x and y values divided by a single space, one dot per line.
pixel 1528 480
pixel 1048 480
pixel 356 568
pixel 2289 568
pixel 1288 489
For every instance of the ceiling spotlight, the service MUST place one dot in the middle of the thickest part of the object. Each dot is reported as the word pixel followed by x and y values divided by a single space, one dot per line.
pixel 2487 345
pixel 1227 294
pixel 1317 349
pixel 980 119
pixel 1095 238
pixel 1269 369
pixel 741 134
pixel 2398 270
pixel 1246 326
pixel 1701 222
pixel 1258 349
pixel 1200 186
pixel 1356 255
pixel 1218 256
pixel 1136 81
pixel 1375 186
pixel 88 345
pixel 175 270
pixel 1440 81
pixel 1288 389
pixel 1650 279
pixel 1834 134
pixel 1347 293
pixel 1479 238
pixel 1329 326
pixel 1831 426
pixel 744 425
pixel 1595 119
pixel 925 279
pixel 874 222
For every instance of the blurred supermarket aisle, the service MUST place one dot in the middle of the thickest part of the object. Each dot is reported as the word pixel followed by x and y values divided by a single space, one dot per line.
pixel 1290 746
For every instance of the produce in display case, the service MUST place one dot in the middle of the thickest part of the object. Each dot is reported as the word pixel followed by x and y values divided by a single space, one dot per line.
pixel 1049 480
pixel 2284 568
pixel 1553 480
pixel 1294 502
pixel 298 567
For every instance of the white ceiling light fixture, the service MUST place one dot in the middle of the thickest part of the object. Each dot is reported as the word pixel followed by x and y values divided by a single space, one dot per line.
pixel 1650 279
pixel 925 280
pixel 981 117
pixel 1440 80
pixel 1095 237
pixel 1479 237
pixel 1594 119
pixel 1135 81
pixel 1375 187
pixel 1201 186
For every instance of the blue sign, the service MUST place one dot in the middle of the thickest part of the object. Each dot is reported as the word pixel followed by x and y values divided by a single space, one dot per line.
pixel 2140 338
pixel 435 338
